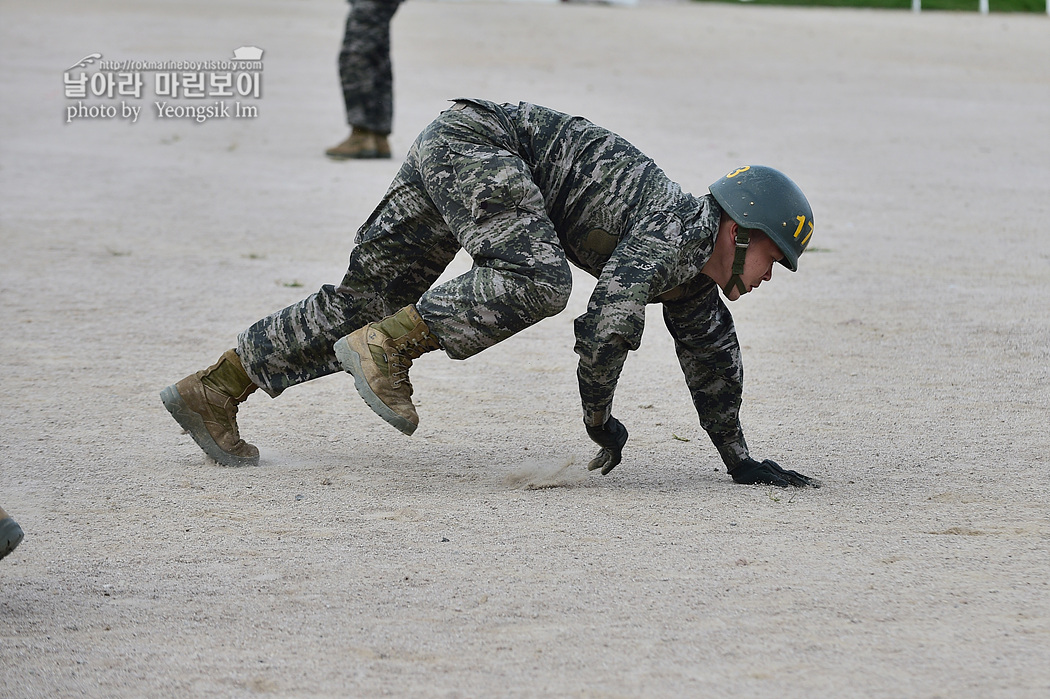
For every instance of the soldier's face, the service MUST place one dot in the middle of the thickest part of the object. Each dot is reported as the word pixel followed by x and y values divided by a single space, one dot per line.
pixel 762 254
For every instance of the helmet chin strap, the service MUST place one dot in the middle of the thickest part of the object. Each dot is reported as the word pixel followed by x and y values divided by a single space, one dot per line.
pixel 743 239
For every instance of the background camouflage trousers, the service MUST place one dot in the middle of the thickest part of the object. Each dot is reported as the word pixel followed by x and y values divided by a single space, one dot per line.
pixel 461 186
pixel 364 65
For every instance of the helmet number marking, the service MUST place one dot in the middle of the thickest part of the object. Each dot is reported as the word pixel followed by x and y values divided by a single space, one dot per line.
pixel 798 231
pixel 736 172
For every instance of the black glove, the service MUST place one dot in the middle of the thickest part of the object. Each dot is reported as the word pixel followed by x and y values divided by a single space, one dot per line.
pixel 750 471
pixel 610 437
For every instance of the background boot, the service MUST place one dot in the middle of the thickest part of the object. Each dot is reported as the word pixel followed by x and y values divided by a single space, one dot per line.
pixel 379 356
pixel 10 533
pixel 205 404
pixel 382 146
pixel 362 144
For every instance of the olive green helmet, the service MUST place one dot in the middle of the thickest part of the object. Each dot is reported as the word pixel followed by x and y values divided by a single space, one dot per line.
pixel 760 197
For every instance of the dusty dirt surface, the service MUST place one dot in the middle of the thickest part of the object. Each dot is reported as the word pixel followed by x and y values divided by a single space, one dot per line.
pixel 906 365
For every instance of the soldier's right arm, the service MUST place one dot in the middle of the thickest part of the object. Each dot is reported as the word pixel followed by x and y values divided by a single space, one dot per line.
pixel 709 354
pixel 637 271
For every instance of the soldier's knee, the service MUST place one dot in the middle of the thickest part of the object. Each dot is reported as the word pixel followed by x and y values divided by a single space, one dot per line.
pixel 554 284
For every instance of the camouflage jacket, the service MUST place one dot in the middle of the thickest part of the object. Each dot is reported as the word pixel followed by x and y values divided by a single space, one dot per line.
pixel 621 219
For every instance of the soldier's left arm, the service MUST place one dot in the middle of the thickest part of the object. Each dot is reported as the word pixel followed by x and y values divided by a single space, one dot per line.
pixel 638 269
pixel 709 353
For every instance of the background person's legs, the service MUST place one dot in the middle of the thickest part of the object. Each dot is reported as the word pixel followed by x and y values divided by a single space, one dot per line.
pixel 366 76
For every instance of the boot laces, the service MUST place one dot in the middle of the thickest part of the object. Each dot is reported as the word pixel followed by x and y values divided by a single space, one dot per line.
pixel 400 360
pixel 224 412
pixel 399 365
pixel 230 407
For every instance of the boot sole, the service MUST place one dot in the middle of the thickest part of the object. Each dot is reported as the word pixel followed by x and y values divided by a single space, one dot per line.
pixel 194 424
pixel 10 536
pixel 351 362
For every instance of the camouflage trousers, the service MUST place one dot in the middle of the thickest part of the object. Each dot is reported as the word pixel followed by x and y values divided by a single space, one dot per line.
pixel 364 65
pixel 462 186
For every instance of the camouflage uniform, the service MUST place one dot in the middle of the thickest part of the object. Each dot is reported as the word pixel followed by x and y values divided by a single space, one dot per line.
pixel 364 65
pixel 525 190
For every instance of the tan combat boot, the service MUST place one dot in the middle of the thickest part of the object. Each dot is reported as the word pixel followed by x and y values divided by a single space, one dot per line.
pixel 382 147
pixel 205 404
pixel 362 144
pixel 379 356
pixel 10 533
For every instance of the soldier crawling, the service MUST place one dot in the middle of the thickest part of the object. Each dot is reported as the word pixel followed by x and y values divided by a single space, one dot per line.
pixel 525 190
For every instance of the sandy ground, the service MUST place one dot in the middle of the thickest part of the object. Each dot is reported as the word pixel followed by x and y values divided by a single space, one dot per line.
pixel 906 365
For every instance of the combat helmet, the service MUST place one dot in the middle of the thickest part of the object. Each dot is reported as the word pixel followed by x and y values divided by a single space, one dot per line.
pixel 756 196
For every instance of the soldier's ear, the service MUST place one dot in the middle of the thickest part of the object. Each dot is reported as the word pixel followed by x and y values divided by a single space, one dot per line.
pixel 727 229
